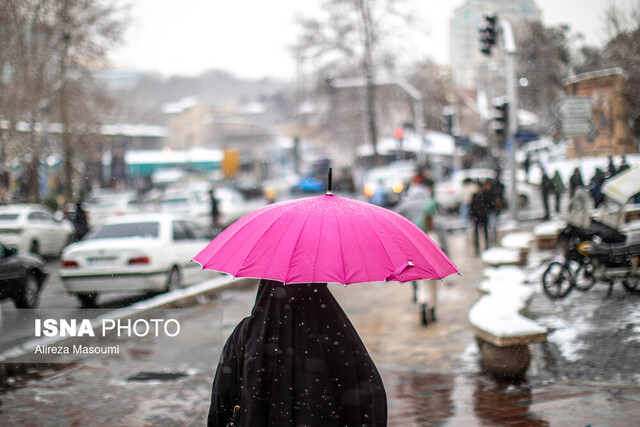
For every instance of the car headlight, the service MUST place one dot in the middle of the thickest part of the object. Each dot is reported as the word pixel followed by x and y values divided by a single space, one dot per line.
pixel 397 187
pixel 369 189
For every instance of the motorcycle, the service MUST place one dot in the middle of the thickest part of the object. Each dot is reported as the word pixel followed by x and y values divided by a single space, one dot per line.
pixel 595 249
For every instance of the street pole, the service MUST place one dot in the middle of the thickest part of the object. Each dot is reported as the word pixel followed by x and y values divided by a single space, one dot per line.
pixel 512 98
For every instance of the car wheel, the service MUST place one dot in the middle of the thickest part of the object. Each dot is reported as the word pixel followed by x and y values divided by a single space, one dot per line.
pixel 87 300
pixel 175 279
pixel 34 248
pixel 30 293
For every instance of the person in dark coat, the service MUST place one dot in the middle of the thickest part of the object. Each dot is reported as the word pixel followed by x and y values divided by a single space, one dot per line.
pixel 546 189
pixel 611 169
pixel 558 189
pixel 595 187
pixel 526 166
pixel 80 223
pixel 575 182
pixel 479 216
pixel 297 360
pixel 215 211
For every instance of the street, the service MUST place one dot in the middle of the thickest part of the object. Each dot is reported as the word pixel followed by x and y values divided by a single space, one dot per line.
pixel 431 374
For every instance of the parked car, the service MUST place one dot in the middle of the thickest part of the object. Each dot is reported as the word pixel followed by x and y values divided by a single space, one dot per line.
pixel 393 180
pixel 107 204
pixel 448 194
pixel 21 277
pixel 34 229
pixel 149 252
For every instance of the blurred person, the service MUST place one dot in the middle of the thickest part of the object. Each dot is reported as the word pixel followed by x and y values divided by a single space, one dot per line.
pixel 575 182
pixel 495 194
pixel 297 360
pixel 469 187
pixel 526 166
pixel 215 211
pixel 426 291
pixel 623 164
pixel 479 217
pixel 80 223
pixel 611 168
pixel 595 186
pixel 558 189
pixel 546 188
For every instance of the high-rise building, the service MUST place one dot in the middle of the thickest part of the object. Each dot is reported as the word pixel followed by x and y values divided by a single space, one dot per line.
pixel 468 64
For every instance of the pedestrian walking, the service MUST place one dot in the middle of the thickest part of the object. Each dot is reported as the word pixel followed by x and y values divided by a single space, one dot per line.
pixel 495 194
pixel 479 217
pixel 558 189
pixel 215 211
pixel 469 187
pixel 426 290
pixel 611 168
pixel 575 182
pixel 526 165
pixel 546 188
pixel 80 223
pixel 623 164
pixel 297 360
pixel 595 187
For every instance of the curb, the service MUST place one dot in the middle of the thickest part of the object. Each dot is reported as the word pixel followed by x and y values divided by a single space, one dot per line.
pixel 12 361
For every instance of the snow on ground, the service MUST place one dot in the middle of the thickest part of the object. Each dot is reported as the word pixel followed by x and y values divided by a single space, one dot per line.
pixel 499 256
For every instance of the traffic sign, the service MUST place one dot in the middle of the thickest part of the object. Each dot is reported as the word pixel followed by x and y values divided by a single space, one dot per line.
pixel 574 106
pixel 578 127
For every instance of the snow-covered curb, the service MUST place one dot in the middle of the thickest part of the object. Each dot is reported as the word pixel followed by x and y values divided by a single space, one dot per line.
pixel 500 256
pixel 549 228
pixel 497 315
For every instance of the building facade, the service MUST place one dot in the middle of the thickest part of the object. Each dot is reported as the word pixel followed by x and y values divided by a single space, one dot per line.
pixel 606 90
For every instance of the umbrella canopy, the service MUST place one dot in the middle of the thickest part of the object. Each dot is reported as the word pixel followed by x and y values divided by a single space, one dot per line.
pixel 325 239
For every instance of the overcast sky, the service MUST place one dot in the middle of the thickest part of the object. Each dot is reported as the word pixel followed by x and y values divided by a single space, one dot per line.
pixel 250 38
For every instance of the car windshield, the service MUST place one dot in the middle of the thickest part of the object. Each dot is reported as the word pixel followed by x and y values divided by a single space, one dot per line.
pixel 8 217
pixel 134 229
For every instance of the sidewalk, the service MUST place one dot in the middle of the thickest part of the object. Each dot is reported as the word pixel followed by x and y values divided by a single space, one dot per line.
pixel 431 374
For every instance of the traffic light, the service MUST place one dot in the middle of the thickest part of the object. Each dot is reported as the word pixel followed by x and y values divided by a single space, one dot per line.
pixel 488 34
pixel 500 120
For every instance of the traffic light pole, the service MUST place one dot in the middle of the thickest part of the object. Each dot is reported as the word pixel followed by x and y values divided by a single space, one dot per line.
pixel 512 98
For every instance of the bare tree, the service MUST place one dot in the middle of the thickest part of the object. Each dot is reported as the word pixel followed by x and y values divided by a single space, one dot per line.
pixel 48 48
pixel 350 38
pixel 623 50
pixel 544 59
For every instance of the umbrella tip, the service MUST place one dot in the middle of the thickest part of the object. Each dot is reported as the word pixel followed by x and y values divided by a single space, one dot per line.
pixel 329 183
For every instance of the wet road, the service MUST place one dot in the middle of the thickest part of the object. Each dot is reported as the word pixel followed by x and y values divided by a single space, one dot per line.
pixel 431 375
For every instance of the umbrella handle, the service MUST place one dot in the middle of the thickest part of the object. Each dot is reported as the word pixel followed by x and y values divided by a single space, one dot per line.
pixel 329 182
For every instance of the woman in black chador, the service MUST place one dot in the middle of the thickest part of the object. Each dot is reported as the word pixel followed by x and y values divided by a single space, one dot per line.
pixel 297 361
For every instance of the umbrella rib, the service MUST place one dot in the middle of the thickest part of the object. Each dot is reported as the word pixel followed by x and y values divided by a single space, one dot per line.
pixel 293 251
pixel 259 240
pixel 344 273
pixel 364 264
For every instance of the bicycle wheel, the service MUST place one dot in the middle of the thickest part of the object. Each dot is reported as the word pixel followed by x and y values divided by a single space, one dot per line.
pixel 557 280
pixel 583 278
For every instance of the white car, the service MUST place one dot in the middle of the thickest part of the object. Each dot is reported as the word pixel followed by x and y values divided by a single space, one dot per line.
pixel 149 252
pixel 448 194
pixel 195 204
pixel 393 179
pixel 32 228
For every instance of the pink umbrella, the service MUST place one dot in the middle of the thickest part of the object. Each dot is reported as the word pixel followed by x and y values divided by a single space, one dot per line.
pixel 325 239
